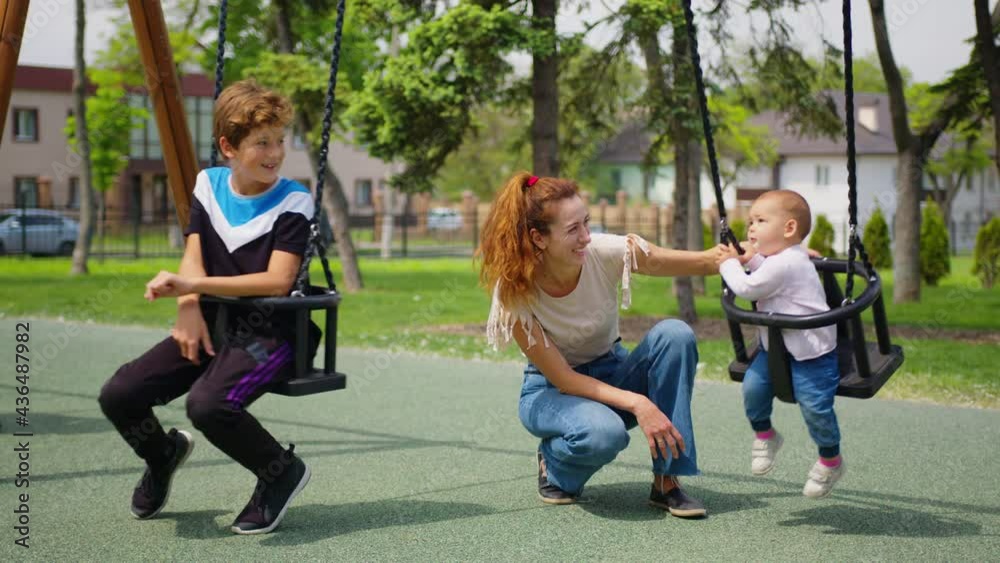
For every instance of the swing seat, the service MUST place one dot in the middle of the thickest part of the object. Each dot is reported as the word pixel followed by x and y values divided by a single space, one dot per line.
pixel 307 380
pixel 864 366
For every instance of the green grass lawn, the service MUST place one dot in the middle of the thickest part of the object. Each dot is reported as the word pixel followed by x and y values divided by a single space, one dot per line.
pixel 403 298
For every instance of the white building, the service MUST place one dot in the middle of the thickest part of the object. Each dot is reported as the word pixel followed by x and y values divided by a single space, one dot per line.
pixel 38 169
pixel 816 167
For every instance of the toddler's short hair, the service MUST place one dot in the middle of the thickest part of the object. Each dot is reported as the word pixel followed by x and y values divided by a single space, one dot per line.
pixel 244 106
pixel 797 208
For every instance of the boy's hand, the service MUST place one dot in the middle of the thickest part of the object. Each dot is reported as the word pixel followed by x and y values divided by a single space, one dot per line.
pixel 725 252
pixel 813 253
pixel 166 284
pixel 190 332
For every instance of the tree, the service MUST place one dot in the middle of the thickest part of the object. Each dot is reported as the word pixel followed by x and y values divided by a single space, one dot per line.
pixel 306 88
pixel 545 89
pixel 822 236
pixel 876 240
pixel 418 106
pixel 986 260
pixel 81 251
pixel 989 58
pixel 673 112
pixel 957 155
pixel 913 148
pixel 107 118
pixel 935 260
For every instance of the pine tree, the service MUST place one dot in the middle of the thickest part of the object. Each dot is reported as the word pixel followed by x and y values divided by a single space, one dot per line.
pixel 935 262
pixel 876 240
pixel 821 239
pixel 986 263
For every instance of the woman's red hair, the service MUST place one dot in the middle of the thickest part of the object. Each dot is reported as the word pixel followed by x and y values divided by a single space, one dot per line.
pixel 507 254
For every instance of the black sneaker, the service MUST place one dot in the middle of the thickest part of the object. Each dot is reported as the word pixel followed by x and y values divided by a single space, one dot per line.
pixel 150 496
pixel 677 502
pixel 549 493
pixel 270 501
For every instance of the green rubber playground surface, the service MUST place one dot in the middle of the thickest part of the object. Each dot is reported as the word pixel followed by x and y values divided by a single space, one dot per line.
pixel 423 458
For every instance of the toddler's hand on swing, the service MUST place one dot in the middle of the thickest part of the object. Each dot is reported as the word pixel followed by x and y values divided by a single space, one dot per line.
pixel 166 284
pixel 748 252
pixel 724 252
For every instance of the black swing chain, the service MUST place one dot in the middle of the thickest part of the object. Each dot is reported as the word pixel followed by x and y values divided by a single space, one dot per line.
pixel 726 234
pixel 854 240
pixel 220 62
pixel 314 246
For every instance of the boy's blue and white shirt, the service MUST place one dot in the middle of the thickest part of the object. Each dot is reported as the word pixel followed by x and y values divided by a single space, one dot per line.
pixel 238 233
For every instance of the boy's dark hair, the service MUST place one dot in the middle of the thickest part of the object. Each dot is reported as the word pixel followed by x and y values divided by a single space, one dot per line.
pixel 245 106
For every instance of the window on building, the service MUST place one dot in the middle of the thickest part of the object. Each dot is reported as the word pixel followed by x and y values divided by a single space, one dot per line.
pixel 144 139
pixel 616 178
pixel 25 192
pixel 362 193
pixel 73 198
pixel 26 125
pixel 822 175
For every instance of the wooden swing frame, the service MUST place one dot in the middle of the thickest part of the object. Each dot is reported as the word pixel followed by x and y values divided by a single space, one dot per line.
pixel 162 85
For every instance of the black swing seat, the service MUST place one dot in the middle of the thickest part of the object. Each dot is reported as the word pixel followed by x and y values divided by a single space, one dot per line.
pixel 864 366
pixel 306 380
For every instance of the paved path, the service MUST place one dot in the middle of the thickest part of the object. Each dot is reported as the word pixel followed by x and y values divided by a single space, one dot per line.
pixel 423 458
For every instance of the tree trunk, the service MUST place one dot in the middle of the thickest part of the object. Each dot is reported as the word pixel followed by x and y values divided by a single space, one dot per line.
pixel 695 235
pixel 334 200
pixel 545 94
pixel 681 137
pixel 81 252
pixel 906 231
pixel 683 285
pixel 906 263
pixel 989 59
pixel 387 193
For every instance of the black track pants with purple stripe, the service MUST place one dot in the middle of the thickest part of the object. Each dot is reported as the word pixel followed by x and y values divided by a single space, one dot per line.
pixel 221 388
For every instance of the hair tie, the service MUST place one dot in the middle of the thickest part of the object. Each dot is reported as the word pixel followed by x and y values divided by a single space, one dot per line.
pixel 532 180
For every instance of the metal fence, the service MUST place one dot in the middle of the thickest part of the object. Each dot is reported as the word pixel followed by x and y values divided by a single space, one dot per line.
pixel 439 232
pixel 120 233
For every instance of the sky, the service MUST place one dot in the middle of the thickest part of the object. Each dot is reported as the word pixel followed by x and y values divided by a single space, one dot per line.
pixel 928 36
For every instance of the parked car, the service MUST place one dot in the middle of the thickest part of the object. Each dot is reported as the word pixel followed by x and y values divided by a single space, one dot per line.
pixel 444 219
pixel 37 231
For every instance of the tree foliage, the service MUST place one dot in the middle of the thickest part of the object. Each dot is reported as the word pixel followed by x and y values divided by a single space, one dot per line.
pixel 110 118
pixel 935 260
pixel 986 259
pixel 419 106
pixel 876 240
pixel 822 237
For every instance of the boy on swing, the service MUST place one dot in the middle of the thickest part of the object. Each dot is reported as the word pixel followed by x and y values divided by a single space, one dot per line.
pixel 782 279
pixel 248 231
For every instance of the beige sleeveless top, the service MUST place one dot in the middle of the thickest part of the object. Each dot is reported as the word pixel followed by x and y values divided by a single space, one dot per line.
pixel 582 325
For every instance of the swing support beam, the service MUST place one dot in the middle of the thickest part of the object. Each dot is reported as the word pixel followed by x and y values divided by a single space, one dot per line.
pixel 13 14
pixel 162 83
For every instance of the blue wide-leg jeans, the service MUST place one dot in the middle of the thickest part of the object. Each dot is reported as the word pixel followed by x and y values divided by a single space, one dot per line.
pixel 815 383
pixel 579 436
